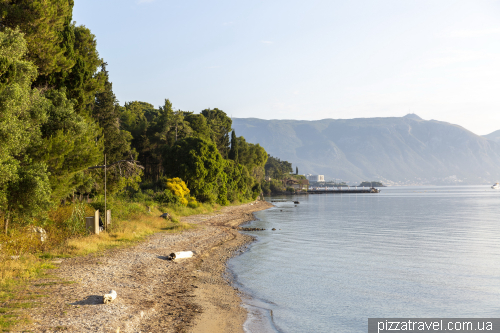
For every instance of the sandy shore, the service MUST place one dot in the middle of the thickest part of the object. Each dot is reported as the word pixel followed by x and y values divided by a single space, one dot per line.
pixel 154 294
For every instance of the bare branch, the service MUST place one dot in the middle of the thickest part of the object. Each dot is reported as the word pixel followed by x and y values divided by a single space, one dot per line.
pixel 112 164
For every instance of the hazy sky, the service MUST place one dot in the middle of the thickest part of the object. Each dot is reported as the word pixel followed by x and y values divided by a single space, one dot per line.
pixel 304 59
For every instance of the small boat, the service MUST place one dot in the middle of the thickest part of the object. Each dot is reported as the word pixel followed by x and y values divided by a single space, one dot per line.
pixel 495 186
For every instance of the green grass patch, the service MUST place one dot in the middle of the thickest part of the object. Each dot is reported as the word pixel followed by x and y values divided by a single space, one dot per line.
pixel 26 305
pixel 52 283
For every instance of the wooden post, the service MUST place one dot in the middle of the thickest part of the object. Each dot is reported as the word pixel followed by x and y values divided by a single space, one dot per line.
pixel 6 225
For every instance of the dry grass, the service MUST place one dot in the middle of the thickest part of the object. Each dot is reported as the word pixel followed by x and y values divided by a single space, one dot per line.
pixel 125 233
pixel 66 238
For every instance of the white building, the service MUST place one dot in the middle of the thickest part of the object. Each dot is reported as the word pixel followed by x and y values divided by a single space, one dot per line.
pixel 315 178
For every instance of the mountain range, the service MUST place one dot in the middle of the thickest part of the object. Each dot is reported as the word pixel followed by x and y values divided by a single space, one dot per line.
pixel 396 150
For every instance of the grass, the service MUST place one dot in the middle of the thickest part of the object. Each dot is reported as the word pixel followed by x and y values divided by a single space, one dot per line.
pixel 131 223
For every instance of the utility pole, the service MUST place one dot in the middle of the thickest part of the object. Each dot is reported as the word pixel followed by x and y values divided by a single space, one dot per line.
pixel 105 167
pixel 105 196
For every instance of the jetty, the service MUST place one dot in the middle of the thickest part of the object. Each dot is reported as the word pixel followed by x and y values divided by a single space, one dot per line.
pixel 338 190
pixel 344 191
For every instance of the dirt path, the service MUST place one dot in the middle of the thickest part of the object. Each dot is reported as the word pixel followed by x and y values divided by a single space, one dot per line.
pixel 154 295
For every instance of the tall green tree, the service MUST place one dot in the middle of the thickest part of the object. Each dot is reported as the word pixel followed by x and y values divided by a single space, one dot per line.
pixel 170 125
pixel 65 54
pixel 43 22
pixel 253 157
pixel 138 118
pixel 105 111
pixel 23 110
pixel 220 126
pixel 69 145
pixel 199 126
pixel 198 163
pixel 117 142
pixel 84 79
pixel 233 152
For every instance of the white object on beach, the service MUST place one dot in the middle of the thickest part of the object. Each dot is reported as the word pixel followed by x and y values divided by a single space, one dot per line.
pixel 108 298
pixel 183 254
pixel 180 255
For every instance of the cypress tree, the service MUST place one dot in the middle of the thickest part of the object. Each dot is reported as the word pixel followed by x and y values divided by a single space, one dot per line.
pixel 233 152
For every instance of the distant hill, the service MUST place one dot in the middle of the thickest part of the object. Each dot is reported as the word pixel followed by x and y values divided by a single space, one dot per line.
pixel 495 136
pixel 396 150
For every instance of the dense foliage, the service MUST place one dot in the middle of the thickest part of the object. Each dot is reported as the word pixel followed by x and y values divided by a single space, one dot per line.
pixel 276 168
pixel 59 119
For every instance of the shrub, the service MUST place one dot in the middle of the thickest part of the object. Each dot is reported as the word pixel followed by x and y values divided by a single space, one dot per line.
pixel 179 189
pixel 166 197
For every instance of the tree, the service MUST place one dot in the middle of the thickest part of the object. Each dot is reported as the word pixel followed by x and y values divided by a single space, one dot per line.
pixel 199 126
pixel 68 145
pixel 296 170
pixel 43 22
pixel 198 163
pixel 170 125
pixel 253 157
pixel 239 182
pixel 83 80
pixel 106 113
pixel 29 194
pixel 65 54
pixel 220 126
pixel 117 142
pixel 233 152
pixel 277 169
pixel 23 110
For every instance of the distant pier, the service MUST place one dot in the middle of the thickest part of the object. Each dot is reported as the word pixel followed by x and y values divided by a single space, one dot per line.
pixel 345 191
pixel 333 191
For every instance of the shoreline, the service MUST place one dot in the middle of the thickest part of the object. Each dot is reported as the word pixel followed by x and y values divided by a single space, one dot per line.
pixel 154 295
pixel 221 300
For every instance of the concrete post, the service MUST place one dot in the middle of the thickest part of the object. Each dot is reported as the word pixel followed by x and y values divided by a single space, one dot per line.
pixel 96 222
pixel 92 223
pixel 89 224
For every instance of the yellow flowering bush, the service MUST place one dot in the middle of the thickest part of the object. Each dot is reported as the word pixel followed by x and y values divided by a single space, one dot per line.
pixel 180 190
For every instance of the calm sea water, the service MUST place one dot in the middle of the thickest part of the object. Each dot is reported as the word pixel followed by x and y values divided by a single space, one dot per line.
pixel 337 260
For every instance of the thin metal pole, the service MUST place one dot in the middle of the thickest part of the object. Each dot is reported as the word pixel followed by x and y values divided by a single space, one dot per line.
pixel 105 197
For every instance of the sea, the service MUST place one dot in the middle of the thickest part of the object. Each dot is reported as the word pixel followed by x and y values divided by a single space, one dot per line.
pixel 336 260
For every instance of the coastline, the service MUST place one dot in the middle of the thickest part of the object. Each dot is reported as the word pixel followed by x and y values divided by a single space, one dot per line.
pixel 154 295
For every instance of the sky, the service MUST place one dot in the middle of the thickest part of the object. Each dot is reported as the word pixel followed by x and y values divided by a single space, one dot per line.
pixel 314 59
